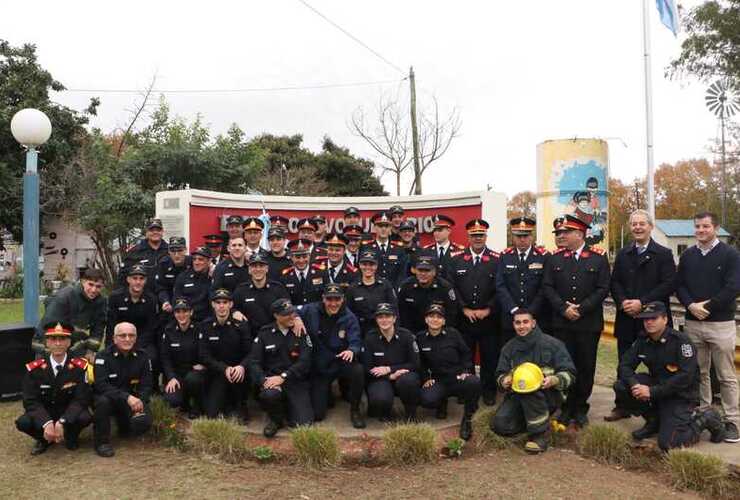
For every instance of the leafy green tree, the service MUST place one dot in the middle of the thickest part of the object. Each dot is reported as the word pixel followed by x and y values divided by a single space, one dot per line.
pixel 345 174
pixel 24 83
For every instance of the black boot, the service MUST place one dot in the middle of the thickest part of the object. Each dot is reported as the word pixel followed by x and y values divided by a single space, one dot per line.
pixel 272 428
pixel 710 420
pixel 648 430
pixel 40 446
pixel 104 450
pixel 537 443
pixel 441 412
pixel 466 428
pixel 355 416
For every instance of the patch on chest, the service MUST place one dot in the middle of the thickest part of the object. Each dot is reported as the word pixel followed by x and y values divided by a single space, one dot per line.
pixel 687 350
pixel 671 367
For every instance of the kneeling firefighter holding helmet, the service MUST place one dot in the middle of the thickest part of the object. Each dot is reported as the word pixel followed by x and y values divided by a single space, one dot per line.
pixel 534 370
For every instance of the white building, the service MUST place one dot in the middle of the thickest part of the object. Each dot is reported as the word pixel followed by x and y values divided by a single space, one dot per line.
pixel 678 234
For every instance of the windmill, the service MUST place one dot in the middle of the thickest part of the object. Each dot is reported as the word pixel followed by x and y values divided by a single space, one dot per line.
pixel 723 99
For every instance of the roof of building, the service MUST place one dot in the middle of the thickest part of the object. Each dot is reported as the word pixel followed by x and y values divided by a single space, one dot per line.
pixel 681 227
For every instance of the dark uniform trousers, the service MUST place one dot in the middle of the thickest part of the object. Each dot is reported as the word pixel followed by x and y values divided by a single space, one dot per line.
pixel 676 428
pixel 380 394
pixel 582 347
pixel 351 378
pixel 224 396
pixel 437 394
pixel 129 424
pixel 291 401
pixel 483 333
pixel 29 425
pixel 192 385
pixel 526 412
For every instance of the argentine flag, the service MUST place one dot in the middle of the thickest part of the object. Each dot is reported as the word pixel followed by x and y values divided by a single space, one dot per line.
pixel 668 14
pixel 265 218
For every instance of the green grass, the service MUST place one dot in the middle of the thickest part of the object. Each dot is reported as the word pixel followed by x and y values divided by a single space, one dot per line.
pixel 706 474
pixel 410 444
pixel 606 362
pixel 316 447
pixel 221 438
pixel 605 444
pixel 11 312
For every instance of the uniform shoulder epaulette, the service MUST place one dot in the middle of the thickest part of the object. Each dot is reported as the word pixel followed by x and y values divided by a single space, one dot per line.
pixel 455 253
pixel 508 250
pixel 560 250
pixel 429 245
pixel 287 270
pixel 457 246
pixel 318 266
pixel 597 250
pixel 39 363
pixel 495 253
pixel 350 267
pixel 80 363
pixel 540 250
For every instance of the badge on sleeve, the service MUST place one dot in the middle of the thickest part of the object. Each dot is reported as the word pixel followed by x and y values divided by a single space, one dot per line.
pixel 416 346
pixel 308 340
pixel 452 294
pixel 687 350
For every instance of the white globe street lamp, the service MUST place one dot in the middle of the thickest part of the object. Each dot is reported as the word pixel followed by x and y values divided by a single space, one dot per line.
pixel 31 128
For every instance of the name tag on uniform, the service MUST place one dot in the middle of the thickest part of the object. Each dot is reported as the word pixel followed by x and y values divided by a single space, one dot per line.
pixel 212 338
pixel 317 281
pixel 357 299
pixel 174 345
pixel 271 346
pixel 462 271
pixel 378 354
pixel 69 384
pixel 289 285
pixel 511 266
pixel 426 349
pixel 189 285
pixel 409 299
pixel 393 257
pixel 169 275
pixel 124 308
pixel 42 386
pixel 249 300
pixel 535 265
pixel 99 361
pixel 143 261
pixel 228 274
pixel 113 375
pixel 641 356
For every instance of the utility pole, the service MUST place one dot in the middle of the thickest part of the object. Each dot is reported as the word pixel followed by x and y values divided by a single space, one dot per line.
pixel 415 133
pixel 723 219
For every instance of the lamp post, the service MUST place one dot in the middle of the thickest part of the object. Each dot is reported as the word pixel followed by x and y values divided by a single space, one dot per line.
pixel 31 128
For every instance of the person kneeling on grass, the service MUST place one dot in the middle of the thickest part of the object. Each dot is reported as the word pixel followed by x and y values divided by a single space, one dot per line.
pixel 279 365
pixel 668 395
pixel 123 385
pixel 447 369
pixel 533 370
pixel 55 395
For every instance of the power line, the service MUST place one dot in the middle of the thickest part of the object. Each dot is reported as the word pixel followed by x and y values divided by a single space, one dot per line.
pixel 234 91
pixel 375 53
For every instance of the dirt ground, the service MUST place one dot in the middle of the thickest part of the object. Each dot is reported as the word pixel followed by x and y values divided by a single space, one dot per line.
pixel 144 469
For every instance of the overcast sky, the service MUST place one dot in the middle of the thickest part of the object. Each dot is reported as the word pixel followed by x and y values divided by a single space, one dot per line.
pixel 519 72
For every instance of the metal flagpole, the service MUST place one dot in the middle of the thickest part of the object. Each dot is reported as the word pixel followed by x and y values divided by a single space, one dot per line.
pixel 648 109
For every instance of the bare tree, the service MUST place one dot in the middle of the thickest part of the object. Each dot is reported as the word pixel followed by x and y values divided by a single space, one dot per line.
pixel 303 181
pixel 389 134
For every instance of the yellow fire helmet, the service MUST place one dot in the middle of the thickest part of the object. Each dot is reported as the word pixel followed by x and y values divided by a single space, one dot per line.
pixel 526 378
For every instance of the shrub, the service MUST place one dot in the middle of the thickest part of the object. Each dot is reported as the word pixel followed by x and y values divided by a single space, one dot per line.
pixel 316 446
pixel 606 444
pixel 13 287
pixel 454 448
pixel 483 435
pixel 164 423
pixel 409 444
pixel 707 474
pixel 219 437
pixel 263 454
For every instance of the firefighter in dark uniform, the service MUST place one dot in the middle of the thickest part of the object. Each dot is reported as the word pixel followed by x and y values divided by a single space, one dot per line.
pixel 519 278
pixel 253 299
pixel 354 242
pixel 299 278
pixel 363 296
pixel 224 343
pixel 643 272
pixel 83 307
pixel 352 217
pixel 529 402
pixel 444 249
pixel 668 395
pixel 231 272
pixel 335 335
pixel 148 252
pixel 277 258
pixel 474 277
pixel 391 360
pixel 576 282
pixel 337 269
pixel 279 366
pixel 183 372
pixel 253 227
pixel 123 386
pixel 321 230
pixel 55 393
pixel 168 270
pixel 307 231
pixel 447 369
pixel 280 221
pixel 391 257
pixel 195 284
pixel 409 242
pixel 137 306
pixel 234 229
pixel 396 213
pixel 420 290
